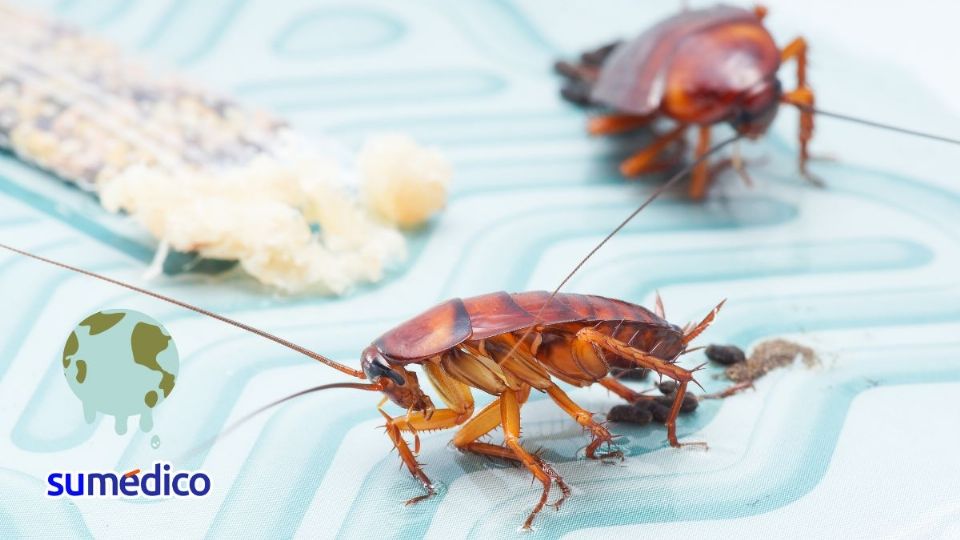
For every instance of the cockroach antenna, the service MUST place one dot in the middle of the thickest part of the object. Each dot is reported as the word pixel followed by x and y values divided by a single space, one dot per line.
pixel 276 339
pixel 372 387
pixel 875 124
pixel 717 147
pixel 652 197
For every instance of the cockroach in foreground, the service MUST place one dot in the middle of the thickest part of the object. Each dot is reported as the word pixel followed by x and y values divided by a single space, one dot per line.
pixel 505 345
pixel 698 68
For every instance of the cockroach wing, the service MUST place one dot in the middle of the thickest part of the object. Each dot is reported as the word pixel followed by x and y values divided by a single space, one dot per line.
pixel 449 324
pixel 601 308
pixel 432 332
pixel 556 311
pixel 565 308
pixel 634 79
pixel 494 314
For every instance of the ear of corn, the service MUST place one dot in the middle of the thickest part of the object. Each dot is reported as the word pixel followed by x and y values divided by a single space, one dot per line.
pixel 201 172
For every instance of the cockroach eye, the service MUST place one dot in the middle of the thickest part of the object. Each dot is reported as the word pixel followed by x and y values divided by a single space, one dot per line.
pixel 374 367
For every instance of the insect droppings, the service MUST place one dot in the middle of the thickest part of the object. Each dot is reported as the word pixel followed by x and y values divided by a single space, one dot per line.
pixel 726 355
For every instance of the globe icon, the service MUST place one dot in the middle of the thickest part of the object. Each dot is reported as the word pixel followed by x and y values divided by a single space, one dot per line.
pixel 121 363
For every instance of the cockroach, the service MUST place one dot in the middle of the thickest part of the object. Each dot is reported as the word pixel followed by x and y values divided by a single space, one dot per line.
pixel 698 68
pixel 506 345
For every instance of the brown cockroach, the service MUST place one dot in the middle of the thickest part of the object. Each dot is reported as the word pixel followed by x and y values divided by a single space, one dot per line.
pixel 698 68
pixel 505 345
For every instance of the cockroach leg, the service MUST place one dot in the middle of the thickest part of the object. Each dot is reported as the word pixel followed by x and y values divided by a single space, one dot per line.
pixel 408 459
pixel 552 473
pixel 412 423
pixel 691 334
pixel 453 393
pixel 642 359
pixel 671 422
pixel 739 165
pixel 484 422
pixel 600 434
pixel 700 179
pixel 741 169
pixel 646 159
pixel 441 419
pixel 735 162
pixel 729 391
pixel 628 394
pixel 493 450
pixel 488 419
pixel 460 407
pixel 510 419
pixel 614 124
pixel 803 96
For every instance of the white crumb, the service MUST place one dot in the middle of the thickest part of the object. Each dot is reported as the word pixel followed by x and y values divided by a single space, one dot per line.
pixel 290 224
pixel 403 183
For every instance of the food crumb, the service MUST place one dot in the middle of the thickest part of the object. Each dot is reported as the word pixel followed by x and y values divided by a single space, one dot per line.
pixel 403 183
pixel 770 355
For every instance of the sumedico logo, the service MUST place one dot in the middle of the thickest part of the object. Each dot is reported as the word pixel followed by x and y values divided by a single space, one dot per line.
pixel 161 481
pixel 122 363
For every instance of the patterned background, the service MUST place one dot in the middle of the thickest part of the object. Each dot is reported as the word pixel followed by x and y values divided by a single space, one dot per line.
pixel 865 271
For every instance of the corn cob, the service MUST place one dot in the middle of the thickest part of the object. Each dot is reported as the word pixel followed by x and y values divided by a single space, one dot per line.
pixel 203 173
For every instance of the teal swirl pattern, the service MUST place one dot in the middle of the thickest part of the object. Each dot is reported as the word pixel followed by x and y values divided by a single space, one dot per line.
pixel 865 271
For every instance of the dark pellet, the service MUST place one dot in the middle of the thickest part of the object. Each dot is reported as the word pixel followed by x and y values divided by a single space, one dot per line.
pixel 642 404
pixel 726 355
pixel 667 387
pixel 630 374
pixel 659 411
pixel 629 414
pixel 689 404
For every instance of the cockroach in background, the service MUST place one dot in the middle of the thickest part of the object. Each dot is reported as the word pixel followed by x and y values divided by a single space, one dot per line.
pixel 698 69
pixel 505 345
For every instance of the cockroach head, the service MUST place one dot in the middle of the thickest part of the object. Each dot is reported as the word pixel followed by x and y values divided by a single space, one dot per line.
pixel 375 367
pixel 396 382
pixel 757 109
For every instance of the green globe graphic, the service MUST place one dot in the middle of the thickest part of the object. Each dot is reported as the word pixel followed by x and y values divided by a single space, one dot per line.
pixel 122 363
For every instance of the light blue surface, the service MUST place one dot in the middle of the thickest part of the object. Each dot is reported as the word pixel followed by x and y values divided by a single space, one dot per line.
pixel 865 271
